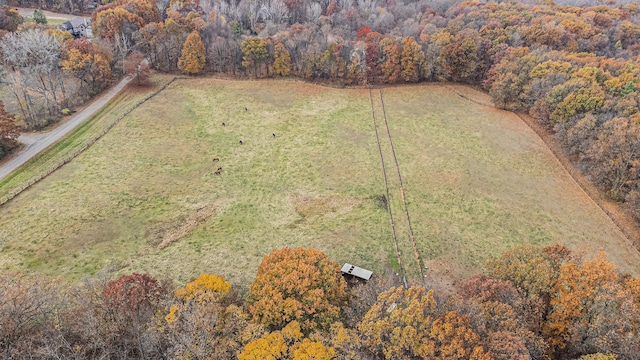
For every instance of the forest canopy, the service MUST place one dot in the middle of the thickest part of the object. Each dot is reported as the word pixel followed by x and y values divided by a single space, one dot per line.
pixel 533 303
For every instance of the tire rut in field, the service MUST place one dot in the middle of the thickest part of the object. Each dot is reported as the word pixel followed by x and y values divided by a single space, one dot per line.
pixel 386 185
pixel 402 231
pixel 402 194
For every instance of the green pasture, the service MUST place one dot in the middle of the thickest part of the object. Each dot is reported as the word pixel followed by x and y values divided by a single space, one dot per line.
pixel 145 197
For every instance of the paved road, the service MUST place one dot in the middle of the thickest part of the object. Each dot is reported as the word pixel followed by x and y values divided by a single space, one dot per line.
pixel 35 143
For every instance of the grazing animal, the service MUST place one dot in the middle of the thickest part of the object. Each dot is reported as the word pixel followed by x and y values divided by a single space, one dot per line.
pixel 219 169
pixel 223 124
pixel 217 172
pixel 240 142
pixel 215 159
pixel 274 134
pixel 245 109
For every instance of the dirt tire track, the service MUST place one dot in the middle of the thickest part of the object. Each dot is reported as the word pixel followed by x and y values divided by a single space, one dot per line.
pixel 386 185
pixel 402 195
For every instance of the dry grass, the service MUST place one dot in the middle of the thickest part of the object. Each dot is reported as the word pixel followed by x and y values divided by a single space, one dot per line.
pixel 145 197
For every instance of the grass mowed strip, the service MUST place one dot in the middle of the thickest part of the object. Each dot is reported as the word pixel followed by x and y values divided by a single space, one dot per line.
pixel 81 136
pixel 145 198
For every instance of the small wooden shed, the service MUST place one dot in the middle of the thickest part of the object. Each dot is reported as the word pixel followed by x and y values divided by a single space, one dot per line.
pixel 364 274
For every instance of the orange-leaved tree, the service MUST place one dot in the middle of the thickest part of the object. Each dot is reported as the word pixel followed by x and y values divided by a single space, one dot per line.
pixel 412 59
pixel 193 55
pixel 297 284
pixel 282 60
pixel 593 311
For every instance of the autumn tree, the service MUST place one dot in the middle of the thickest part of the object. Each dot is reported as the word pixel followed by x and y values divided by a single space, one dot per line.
pixel 372 60
pixel 288 343
pixel 206 322
pixel 391 66
pixel 137 66
pixel 254 53
pixel 616 152
pixel 130 302
pixel 508 323
pixel 9 131
pixel 297 284
pixel 534 270
pixel 123 17
pixel 459 59
pixel 408 324
pixel 593 311
pixel 193 55
pixel 10 19
pixel 412 59
pixel 87 62
pixel 509 77
pixel 282 60
pixel 112 21
pixel 206 287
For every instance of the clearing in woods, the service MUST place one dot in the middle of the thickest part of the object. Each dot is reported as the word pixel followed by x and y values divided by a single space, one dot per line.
pixel 145 198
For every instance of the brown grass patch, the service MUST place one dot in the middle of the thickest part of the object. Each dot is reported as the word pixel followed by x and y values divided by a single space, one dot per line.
pixel 312 207
pixel 164 234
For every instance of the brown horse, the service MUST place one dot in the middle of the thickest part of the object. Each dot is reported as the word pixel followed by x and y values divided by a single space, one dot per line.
pixel 217 172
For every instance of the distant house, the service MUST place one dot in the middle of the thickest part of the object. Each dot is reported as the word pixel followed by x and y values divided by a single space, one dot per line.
pixel 78 27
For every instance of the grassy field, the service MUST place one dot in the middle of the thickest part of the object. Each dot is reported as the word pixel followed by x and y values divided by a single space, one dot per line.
pixel 145 197
pixel 123 102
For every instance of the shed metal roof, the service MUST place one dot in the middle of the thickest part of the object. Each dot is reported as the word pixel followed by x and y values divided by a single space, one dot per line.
pixel 356 271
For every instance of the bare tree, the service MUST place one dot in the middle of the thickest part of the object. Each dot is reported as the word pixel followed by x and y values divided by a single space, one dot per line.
pixel 31 60
pixel 122 45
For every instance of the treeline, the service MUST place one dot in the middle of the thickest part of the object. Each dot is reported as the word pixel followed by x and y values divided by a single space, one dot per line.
pixel 535 303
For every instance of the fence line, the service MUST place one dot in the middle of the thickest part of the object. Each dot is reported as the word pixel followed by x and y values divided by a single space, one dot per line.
pixel 5 199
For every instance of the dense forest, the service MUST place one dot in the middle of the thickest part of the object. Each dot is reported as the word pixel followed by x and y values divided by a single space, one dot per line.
pixel 535 303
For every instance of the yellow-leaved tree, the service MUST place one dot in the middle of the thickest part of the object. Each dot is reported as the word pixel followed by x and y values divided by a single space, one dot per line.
pixel 203 323
pixel 289 343
pixel 406 324
pixel 297 284
pixel 193 55
pixel 282 60
pixel 412 59
pixel 254 53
